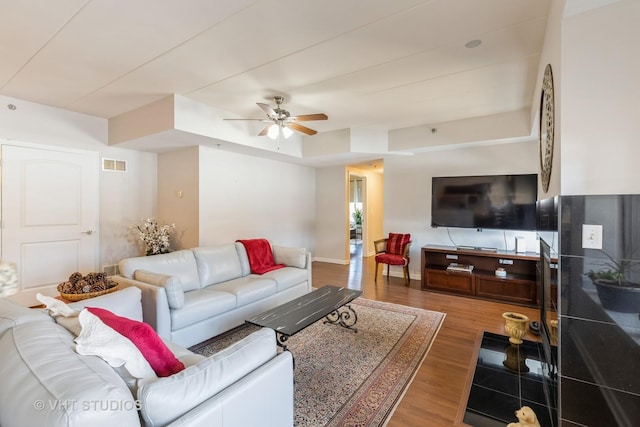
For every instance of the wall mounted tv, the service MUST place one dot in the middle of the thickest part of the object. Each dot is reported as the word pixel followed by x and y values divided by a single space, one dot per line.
pixel 504 202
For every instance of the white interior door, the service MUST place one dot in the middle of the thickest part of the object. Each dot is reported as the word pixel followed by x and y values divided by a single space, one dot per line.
pixel 49 216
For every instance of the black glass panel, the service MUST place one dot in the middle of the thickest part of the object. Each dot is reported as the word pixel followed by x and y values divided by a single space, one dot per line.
pixel 583 297
pixel 600 353
pixel 506 378
pixel 590 405
pixel 600 324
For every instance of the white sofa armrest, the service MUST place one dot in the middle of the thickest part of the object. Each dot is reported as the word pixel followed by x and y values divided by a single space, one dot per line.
pixel 171 285
pixel 165 399
pixel 269 389
pixel 291 257
pixel 309 269
pixel 155 307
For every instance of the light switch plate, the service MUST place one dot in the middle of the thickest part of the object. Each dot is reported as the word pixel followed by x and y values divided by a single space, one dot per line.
pixel 591 236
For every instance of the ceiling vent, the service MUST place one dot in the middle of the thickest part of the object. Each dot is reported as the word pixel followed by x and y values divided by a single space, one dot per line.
pixel 114 165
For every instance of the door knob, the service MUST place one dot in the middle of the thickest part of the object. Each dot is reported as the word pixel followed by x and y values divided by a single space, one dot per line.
pixel 88 232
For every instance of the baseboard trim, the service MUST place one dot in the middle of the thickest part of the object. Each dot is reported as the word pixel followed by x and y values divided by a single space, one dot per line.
pixel 397 272
pixel 331 260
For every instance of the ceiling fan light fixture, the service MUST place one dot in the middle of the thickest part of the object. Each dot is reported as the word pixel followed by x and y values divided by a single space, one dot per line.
pixel 273 131
pixel 283 122
pixel 286 132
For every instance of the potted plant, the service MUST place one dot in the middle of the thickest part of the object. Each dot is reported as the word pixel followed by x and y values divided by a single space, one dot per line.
pixel 357 216
pixel 615 290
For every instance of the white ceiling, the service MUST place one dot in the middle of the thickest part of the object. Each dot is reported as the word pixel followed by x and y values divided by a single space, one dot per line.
pixel 379 64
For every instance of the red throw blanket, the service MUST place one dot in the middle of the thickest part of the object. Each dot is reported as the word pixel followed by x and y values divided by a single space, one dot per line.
pixel 260 256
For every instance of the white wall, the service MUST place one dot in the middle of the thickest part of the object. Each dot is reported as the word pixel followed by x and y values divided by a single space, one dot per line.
pixel 497 127
pixel 125 198
pixel 551 54
pixel 247 197
pixel 601 100
pixel 407 194
pixel 332 216
pixel 179 195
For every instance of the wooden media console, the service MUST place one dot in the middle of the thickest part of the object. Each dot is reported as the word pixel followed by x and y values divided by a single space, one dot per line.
pixel 518 286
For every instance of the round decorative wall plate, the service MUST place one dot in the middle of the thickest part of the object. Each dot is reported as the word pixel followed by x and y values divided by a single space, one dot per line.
pixel 546 128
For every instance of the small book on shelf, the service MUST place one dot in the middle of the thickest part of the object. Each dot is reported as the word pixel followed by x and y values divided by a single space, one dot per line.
pixel 454 266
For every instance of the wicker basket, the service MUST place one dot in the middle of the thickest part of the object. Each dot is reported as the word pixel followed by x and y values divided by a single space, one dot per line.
pixel 86 295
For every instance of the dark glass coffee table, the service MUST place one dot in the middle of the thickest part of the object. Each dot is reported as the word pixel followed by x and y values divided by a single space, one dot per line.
pixel 330 302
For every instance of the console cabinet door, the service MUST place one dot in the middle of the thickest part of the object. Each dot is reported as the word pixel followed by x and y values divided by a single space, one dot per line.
pixel 450 282
pixel 518 291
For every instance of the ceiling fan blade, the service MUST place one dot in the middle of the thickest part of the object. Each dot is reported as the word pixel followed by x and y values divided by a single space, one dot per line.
pixel 264 131
pixel 309 117
pixel 255 120
pixel 301 128
pixel 267 109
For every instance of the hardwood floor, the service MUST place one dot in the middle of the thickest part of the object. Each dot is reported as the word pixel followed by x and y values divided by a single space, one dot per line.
pixel 439 389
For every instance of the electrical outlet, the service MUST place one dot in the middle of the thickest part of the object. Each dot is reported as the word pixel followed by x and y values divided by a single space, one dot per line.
pixel 591 236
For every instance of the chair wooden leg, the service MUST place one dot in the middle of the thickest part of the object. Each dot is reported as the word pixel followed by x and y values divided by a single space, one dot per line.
pixel 407 278
pixel 375 278
pixel 408 274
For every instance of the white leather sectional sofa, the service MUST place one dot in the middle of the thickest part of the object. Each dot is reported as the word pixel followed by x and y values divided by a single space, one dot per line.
pixel 45 382
pixel 191 295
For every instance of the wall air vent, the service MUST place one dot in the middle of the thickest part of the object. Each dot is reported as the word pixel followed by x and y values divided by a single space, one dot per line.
pixel 111 270
pixel 114 165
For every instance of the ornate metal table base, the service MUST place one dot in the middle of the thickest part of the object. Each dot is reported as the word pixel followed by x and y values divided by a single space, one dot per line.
pixel 281 340
pixel 291 317
pixel 344 316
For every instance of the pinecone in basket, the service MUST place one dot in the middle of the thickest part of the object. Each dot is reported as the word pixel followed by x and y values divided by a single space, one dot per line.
pixel 65 288
pixel 75 277
pixel 94 278
pixel 92 282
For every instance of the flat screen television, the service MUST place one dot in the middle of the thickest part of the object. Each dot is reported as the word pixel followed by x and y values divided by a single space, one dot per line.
pixel 505 202
pixel 547 214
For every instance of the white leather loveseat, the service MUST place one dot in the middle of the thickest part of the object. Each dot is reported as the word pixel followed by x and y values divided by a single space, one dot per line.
pixel 46 382
pixel 194 294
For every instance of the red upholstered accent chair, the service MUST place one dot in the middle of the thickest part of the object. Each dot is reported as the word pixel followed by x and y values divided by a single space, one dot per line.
pixel 394 250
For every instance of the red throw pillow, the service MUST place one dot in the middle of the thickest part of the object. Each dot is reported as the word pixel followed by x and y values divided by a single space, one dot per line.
pixel 397 242
pixel 142 335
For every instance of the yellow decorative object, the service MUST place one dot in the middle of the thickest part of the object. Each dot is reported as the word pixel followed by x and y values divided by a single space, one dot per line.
pixel 515 359
pixel 554 331
pixel 515 326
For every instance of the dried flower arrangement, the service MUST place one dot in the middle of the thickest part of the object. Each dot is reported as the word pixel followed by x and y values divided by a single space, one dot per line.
pixel 155 237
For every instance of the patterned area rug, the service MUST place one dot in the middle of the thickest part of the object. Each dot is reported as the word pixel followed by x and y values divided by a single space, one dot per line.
pixel 344 378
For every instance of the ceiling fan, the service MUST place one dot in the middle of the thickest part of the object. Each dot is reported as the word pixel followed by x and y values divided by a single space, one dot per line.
pixel 280 120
